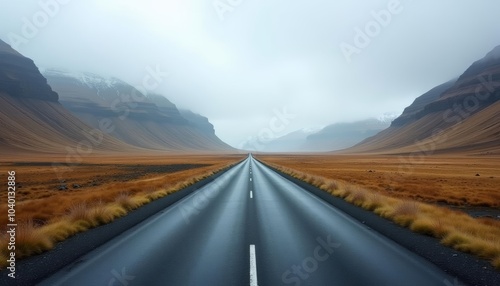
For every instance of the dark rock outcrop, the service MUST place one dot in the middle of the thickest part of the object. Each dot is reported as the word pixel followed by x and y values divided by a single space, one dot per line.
pixel 20 78
pixel 416 109
pixel 198 121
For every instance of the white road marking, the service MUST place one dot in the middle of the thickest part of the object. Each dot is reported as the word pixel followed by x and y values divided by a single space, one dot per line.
pixel 253 266
pixel 250 179
pixel 251 194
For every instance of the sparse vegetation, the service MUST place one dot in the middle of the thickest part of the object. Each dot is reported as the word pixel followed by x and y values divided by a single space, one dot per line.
pixel 455 229
pixel 443 180
pixel 61 216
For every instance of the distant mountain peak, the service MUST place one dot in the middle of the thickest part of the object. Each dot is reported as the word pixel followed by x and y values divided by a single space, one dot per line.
pixel 310 130
pixel 146 121
pixel 88 79
pixel 460 115
pixel 388 117
pixel 21 78
pixel 7 49
pixel 494 54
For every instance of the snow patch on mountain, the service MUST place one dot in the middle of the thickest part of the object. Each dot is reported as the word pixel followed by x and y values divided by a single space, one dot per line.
pixel 88 79
pixel 388 117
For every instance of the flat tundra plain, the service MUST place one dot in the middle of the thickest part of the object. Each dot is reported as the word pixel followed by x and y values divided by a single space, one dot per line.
pixel 467 182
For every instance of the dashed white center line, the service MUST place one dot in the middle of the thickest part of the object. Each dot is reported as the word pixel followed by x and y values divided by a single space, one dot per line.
pixel 253 266
pixel 250 179
pixel 251 194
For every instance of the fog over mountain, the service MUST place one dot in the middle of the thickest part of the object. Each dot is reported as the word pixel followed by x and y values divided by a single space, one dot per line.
pixel 330 138
pixel 34 121
pixel 325 62
pixel 458 116
pixel 148 121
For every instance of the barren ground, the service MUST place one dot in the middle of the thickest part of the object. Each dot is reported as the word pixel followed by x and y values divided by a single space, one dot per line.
pixel 44 192
pixel 468 183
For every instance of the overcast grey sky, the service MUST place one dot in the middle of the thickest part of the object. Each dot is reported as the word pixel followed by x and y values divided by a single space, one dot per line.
pixel 239 62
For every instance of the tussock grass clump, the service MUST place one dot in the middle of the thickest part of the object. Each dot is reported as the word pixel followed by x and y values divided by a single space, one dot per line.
pixel 125 201
pixel 406 208
pixel 63 228
pixel 30 240
pixel 374 201
pixel 331 185
pixel 440 229
pixel 115 210
pixel 102 213
pixel 405 212
pixel 316 181
pixel 154 193
pixel 128 202
pixel 357 196
pixel 157 194
pixel 79 211
pixel 428 226
pixel 480 237
pixel 469 243
pixel 140 200
pixel 340 192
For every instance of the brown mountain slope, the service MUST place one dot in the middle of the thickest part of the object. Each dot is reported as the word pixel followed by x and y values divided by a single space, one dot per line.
pixel 150 122
pixel 47 127
pixel 416 109
pixel 33 120
pixel 459 117
pixel 19 77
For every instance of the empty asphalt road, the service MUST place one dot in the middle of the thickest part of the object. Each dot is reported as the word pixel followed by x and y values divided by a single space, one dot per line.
pixel 250 227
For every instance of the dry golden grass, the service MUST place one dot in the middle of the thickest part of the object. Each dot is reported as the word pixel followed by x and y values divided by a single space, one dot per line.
pixel 62 214
pixel 480 237
pixel 30 240
pixel 102 213
pixel 434 179
pixel 101 179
